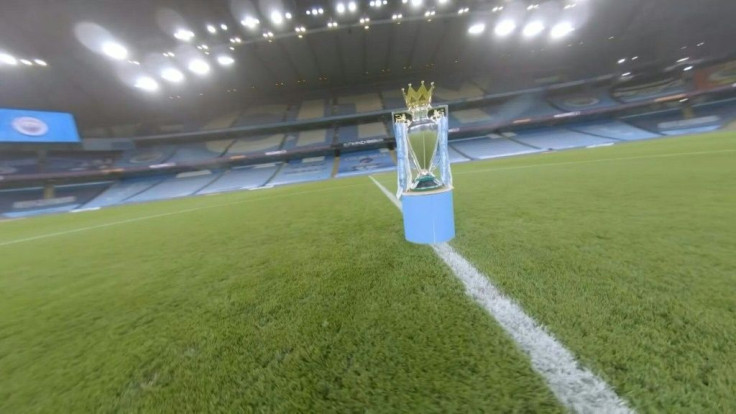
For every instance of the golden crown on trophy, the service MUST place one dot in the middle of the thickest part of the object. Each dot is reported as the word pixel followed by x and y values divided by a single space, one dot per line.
pixel 421 97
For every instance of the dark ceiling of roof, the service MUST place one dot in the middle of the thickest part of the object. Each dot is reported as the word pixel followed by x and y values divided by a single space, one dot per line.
pixel 346 58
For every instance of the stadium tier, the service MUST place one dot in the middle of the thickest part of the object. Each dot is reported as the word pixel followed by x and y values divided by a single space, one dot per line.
pixel 365 162
pixel 532 122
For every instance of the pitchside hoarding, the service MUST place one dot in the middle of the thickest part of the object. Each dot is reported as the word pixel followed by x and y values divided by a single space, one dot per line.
pixel 27 127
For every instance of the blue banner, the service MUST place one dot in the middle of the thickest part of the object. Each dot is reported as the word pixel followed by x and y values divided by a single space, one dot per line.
pixel 23 126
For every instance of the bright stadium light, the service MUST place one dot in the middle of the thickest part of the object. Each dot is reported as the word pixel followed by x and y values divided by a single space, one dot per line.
pixel 417 3
pixel 225 60
pixel 250 22
pixel 26 62
pixel 277 18
pixel 114 50
pixel 8 59
pixel 146 83
pixel 340 8
pixel 199 66
pixel 533 28
pixel 212 29
pixel 561 30
pixel 184 34
pixel 477 28
pixel 352 7
pixel 505 28
pixel 688 68
pixel 172 75
pixel 40 62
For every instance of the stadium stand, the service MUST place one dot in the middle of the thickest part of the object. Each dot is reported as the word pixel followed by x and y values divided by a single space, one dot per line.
pixel 312 109
pixel 456 157
pixel 259 143
pixel 490 147
pixel 674 122
pixel 30 201
pixel 470 117
pixel 556 138
pixel 365 162
pixel 348 133
pixel 199 151
pixel 639 91
pixel 584 100
pixel 79 161
pixel 613 129
pixel 221 122
pixel 122 190
pixel 312 137
pixel 457 92
pixel 239 178
pixel 392 98
pixel 181 185
pixel 18 163
pixel 262 114
pixel 356 104
pixel 141 157
pixel 307 169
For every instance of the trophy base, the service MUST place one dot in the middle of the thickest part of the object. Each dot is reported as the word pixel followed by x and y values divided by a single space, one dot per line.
pixel 429 217
pixel 426 183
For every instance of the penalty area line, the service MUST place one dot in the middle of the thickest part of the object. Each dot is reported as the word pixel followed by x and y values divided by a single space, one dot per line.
pixel 574 385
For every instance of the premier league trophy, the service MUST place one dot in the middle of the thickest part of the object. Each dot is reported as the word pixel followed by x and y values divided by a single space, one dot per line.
pixel 424 178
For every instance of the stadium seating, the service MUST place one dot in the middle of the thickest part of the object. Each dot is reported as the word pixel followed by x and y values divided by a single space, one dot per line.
pixel 356 104
pixel 489 147
pixel 200 151
pixel 240 178
pixel 30 201
pixel 673 122
pixel 21 163
pixel 557 138
pixel 262 114
pixel 307 169
pixel 312 109
pixel 259 143
pixel 181 185
pixel 313 137
pixel 613 129
pixel 122 190
pixel 457 92
pixel 142 157
pixel 348 133
pixel 584 100
pixel 221 122
pixel 365 162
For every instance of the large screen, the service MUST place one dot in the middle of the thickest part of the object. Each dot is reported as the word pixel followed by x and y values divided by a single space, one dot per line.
pixel 27 127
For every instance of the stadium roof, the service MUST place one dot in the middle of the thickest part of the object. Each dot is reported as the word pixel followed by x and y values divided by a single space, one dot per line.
pixel 115 61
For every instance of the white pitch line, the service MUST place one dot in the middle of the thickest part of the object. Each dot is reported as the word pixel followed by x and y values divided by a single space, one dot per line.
pixel 132 220
pixel 575 386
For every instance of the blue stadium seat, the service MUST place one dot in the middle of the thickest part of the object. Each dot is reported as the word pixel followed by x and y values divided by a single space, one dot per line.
pixel 240 178
pixel 487 147
pixel 365 162
pixel 307 169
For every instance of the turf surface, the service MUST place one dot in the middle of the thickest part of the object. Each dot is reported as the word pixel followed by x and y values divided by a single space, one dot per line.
pixel 293 299
pixel 306 298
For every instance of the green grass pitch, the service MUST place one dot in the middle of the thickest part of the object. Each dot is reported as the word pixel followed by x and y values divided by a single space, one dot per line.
pixel 306 298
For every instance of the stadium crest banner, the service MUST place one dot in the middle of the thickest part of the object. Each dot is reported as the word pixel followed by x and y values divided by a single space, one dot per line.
pixel 27 127
pixel 423 170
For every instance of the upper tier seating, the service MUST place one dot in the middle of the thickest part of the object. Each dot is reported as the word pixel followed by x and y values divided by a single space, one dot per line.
pixel 307 169
pixel 239 178
pixel 181 185
pixel 365 162
pixel 490 147
pixel 30 201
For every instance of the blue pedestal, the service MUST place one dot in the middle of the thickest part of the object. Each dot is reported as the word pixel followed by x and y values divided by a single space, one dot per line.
pixel 428 217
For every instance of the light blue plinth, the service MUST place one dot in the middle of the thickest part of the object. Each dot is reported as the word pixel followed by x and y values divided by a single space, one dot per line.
pixel 428 217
